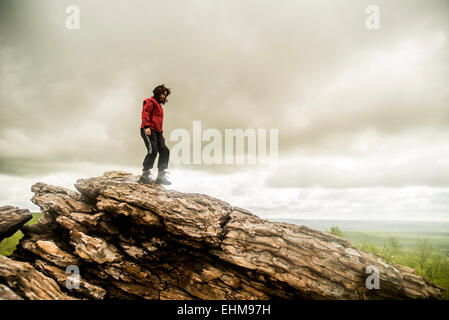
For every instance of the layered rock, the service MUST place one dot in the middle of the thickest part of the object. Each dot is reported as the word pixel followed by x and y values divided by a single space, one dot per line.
pixel 22 280
pixel 11 219
pixel 129 240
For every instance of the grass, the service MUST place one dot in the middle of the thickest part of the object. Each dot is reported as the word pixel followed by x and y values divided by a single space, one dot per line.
pixel 407 240
pixel 8 245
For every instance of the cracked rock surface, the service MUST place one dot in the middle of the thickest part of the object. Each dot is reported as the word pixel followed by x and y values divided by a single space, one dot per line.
pixel 119 239
pixel 11 219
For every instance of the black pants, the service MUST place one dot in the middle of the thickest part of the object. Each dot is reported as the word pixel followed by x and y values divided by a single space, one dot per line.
pixel 154 144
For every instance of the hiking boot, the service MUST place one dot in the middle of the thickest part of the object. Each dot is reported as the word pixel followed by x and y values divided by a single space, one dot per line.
pixel 146 177
pixel 162 178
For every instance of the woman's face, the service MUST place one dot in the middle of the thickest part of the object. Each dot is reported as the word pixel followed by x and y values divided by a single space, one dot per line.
pixel 162 96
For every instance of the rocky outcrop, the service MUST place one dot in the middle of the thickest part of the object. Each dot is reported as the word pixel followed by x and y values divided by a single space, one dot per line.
pixel 11 219
pixel 118 238
pixel 24 281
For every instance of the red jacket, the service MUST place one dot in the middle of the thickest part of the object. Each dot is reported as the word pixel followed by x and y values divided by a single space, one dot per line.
pixel 152 114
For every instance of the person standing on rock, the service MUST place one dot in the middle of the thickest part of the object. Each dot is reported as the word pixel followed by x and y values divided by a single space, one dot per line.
pixel 152 135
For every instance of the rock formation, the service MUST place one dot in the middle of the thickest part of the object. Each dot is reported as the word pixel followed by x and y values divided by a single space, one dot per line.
pixel 11 219
pixel 118 238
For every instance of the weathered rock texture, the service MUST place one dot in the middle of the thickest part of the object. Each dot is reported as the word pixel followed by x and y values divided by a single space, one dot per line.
pixel 135 241
pixel 11 219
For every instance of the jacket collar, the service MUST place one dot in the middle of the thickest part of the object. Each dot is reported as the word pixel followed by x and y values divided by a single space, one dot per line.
pixel 152 98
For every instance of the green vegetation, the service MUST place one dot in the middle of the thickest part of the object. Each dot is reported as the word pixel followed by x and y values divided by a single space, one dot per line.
pixel 8 245
pixel 407 240
pixel 428 256
pixel 335 230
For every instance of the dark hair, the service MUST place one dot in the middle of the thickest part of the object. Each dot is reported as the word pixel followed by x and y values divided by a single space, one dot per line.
pixel 159 90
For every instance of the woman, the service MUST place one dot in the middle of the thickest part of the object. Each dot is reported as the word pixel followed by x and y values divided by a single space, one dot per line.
pixel 151 132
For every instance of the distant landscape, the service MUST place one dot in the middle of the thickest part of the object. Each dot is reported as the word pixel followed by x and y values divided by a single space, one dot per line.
pixel 407 233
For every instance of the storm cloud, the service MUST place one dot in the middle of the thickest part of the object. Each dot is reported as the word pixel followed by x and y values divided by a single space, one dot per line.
pixel 357 110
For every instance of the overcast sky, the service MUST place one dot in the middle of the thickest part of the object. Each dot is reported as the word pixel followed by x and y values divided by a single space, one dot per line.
pixel 362 115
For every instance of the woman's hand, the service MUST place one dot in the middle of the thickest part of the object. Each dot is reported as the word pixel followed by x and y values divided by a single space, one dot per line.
pixel 148 131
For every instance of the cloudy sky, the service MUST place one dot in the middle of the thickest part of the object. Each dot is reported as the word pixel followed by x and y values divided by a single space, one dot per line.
pixel 362 115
